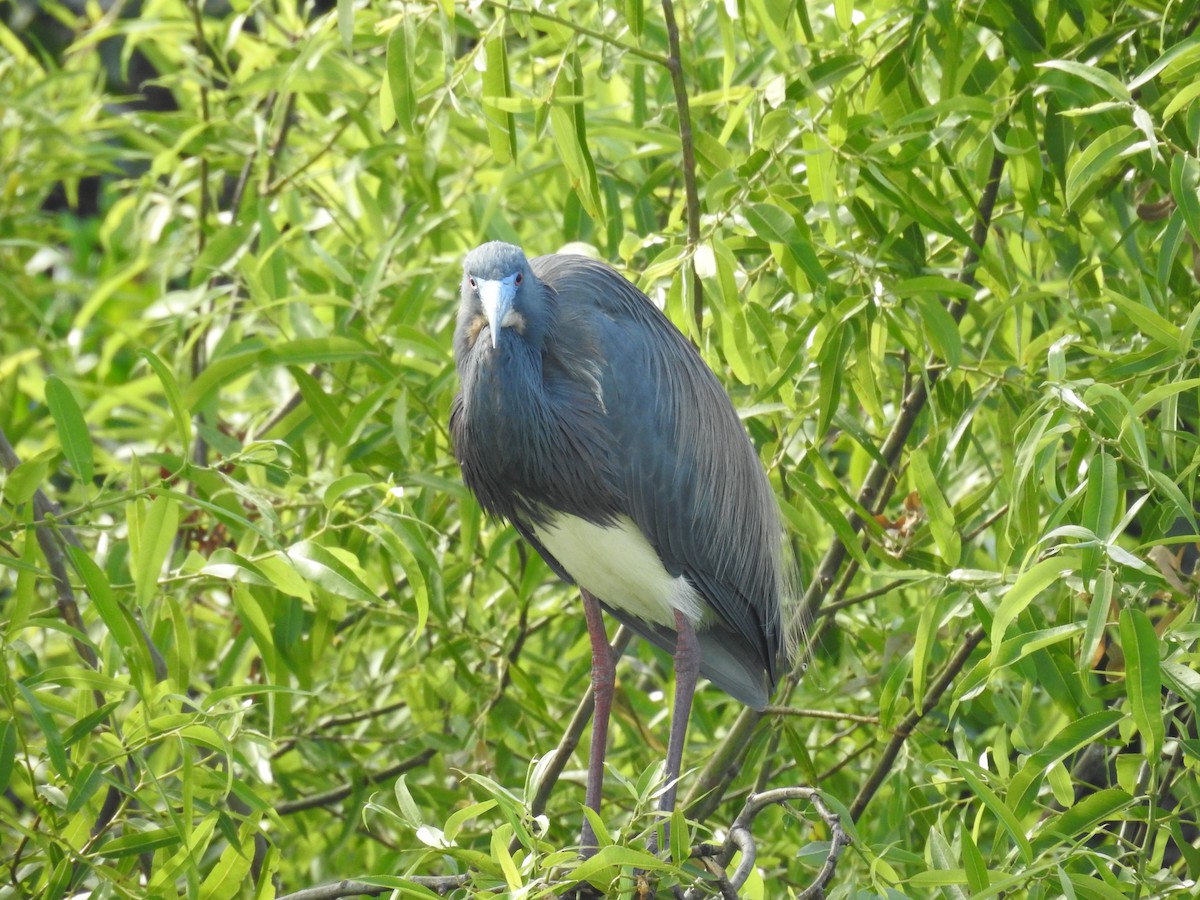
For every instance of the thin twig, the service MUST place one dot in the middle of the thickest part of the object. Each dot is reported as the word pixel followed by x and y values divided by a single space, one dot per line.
pixel 674 64
pixel 821 714
pixel 945 678
pixel 332 722
pixel 631 49
pixel 338 794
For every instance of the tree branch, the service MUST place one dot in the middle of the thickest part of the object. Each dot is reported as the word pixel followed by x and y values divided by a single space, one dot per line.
pixel 68 607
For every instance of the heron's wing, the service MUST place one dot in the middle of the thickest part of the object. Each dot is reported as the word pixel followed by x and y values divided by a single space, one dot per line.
pixel 689 476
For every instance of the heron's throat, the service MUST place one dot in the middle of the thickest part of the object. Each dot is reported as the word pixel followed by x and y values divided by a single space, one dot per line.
pixel 498 298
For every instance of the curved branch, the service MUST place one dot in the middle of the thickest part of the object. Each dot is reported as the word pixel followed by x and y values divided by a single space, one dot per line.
pixel 741 838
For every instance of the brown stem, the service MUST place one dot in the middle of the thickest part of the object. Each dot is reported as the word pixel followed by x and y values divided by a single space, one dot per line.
pixel 341 793
pixel 940 684
pixel 674 63
pixel 45 509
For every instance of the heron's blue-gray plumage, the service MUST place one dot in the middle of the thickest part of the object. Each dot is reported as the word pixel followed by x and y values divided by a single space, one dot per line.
pixel 592 404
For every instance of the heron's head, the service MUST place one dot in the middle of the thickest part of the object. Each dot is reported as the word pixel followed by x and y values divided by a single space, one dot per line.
pixel 499 290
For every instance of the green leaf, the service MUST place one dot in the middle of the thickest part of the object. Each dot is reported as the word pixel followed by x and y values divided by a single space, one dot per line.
pixel 55 749
pixel 500 838
pixel 1097 618
pixel 1183 97
pixel 1107 82
pixel 1099 159
pixel 1185 188
pixel 186 857
pixel 220 251
pixel 501 126
pixel 941 329
pixel 973 862
pixel 1022 790
pixel 227 877
pixel 8 752
pixel 1099 507
pixel 1028 585
pixel 72 429
pixel 255 358
pixel 24 480
pixel 400 78
pixel 941 517
pixel 1143 678
pixel 139 842
pixel 1148 321
pixel 323 406
pixel 612 858
pixel 577 160
pixel 1181 54
pixel 345 23
pixel 152 530
pixel 775 226
pixel 322 566
pixel 1082 818
pixel 183 422
pixel 994 804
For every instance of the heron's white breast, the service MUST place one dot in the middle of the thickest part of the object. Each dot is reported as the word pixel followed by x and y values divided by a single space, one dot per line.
pixel 617 564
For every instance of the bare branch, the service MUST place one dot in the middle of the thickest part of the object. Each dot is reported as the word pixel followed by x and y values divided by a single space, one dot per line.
pixel 821 714
pixel 44 508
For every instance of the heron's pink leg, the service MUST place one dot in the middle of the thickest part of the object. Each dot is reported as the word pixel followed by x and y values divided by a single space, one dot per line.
pixel 603 682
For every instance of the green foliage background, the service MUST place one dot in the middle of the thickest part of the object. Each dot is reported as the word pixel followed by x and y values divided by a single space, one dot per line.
pixel 284 648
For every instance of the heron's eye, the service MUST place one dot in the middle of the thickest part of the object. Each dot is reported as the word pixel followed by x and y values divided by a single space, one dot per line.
pixel 518 278
pixel 471 282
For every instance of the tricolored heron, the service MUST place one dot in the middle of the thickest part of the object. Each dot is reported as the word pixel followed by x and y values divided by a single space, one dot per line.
pixel 588 421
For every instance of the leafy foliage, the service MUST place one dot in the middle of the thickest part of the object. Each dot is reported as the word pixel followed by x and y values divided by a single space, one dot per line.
pixel 256 636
